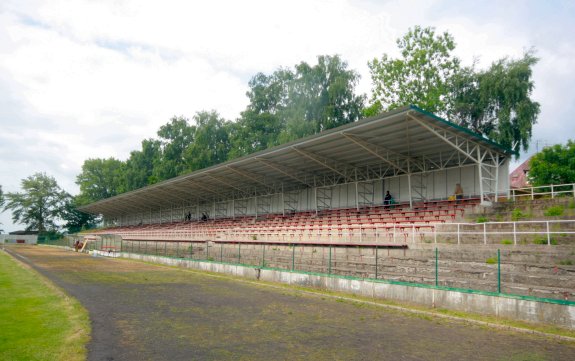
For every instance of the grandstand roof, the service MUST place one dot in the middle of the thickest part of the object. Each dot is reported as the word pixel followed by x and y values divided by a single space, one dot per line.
pixel 408 140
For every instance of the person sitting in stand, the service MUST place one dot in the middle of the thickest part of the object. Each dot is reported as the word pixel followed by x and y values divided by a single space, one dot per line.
pixel 204 217
pixel 458 192
pixel 388 200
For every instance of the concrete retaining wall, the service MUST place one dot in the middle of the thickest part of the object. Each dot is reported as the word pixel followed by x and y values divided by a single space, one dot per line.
pixel 518 308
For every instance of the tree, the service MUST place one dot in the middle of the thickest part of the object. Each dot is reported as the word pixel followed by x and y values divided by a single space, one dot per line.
pixel 175 137
pixel 420 77
pixel 553 165
pixel 138 170
pixel 41 204
pixel 1 203
pixel 290 104
pixel 497 102
pixel 211 143
pixel 76 220
pixel 99 179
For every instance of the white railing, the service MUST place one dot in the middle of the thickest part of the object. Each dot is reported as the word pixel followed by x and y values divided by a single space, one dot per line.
pixel 521 232
pixel 552 190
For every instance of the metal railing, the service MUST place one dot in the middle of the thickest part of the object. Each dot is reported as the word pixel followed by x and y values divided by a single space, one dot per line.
pixel 521 232
pixel 485 269
pixel 553 190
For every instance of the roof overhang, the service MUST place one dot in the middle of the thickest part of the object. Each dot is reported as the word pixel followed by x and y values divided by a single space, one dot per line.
pixel 408 140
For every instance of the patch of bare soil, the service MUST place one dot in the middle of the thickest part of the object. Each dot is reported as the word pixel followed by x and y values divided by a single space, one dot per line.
pixel 146 312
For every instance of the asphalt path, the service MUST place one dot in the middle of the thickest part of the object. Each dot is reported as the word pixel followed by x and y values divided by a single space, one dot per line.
pixel 141 311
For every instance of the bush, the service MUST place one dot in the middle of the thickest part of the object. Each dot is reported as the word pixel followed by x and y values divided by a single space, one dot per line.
pixel 517 214
pixel 491 260
pixel 482 219
pixel 506 241
pixel 566 262
pixel 554 211
pixel 543 240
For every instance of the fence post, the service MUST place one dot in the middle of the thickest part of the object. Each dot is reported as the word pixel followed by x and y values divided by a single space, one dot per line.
pixel 458 235
pixel 515 233
pixel 191 250
pixel 207 250
pixel 221 252
pixel 532 197
pixel 165 249
pixel 263 255
pixel 498 270
pixel 484 233
pixel 329 261
pixel 375 262
pixel 435 234
pixel 436 267
pixel 548 234
pixel 239 253
pixel 177 249
pixel 293 257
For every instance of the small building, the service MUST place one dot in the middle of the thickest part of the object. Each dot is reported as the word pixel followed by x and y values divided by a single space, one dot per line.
pixel 20 237
pixel 519 178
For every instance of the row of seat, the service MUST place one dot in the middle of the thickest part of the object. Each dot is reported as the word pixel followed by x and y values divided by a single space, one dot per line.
pixel 352 222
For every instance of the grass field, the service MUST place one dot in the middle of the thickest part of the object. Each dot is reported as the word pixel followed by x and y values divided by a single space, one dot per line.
pixel 37 320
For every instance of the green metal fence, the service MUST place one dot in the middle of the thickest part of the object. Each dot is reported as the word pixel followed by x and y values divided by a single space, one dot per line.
pixel 491 269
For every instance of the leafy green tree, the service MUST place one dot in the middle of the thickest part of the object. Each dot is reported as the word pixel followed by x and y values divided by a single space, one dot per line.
pixel 211 141
pixel 75 220
pixel 422 76
pixel 1 203
pixel 139 167
pixel 175 137
pixel 99 179
pixel 497 102
pixel 289 104
pixel 40 205
pixel 261 123
pixel 553 165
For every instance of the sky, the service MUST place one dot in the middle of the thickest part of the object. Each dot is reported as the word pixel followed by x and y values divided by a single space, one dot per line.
pixel 86 79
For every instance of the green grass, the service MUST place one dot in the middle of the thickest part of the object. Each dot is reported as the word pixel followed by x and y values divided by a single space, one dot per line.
pixel 37 320
pixel 554 211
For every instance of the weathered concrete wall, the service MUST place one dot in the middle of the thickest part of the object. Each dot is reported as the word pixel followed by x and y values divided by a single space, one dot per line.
pixel 475 302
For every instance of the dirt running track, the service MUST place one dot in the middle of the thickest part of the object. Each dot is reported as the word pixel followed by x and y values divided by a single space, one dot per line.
pixel 146 312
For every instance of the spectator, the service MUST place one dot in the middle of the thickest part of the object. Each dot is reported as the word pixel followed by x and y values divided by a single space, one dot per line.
pixel 458 192
pixel 388 200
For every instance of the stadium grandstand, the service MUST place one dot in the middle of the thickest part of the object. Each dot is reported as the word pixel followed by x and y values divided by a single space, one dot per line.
pixel 319 205
pixel 416 156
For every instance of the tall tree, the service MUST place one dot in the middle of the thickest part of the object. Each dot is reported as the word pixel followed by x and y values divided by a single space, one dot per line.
pixel 75 220
pixel 175 137
pixel 261 123
pixel 211 141
pixel 422 75
pixel 40 205
pixel 99 179
pixel 139 167
pixel 553 165
pixel 289 104
pixel 497 102
pixel 1 203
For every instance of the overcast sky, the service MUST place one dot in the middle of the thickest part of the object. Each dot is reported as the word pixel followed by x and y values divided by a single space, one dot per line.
pixel 91 79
